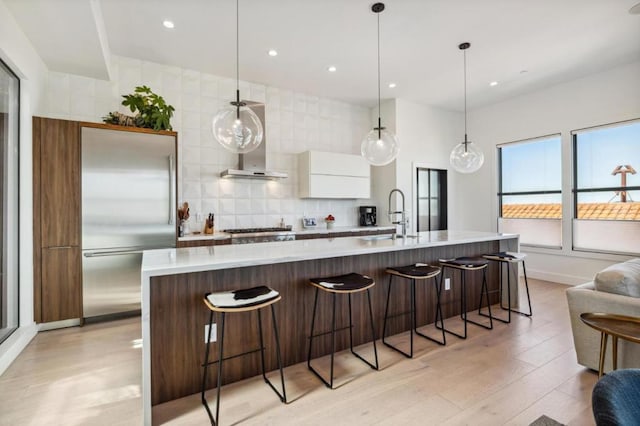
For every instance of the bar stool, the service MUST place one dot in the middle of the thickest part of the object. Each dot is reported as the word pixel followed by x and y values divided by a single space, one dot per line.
pixel 464 265
pixel 251 299
pixel 342 284
pixel 422 272
pixel 507 259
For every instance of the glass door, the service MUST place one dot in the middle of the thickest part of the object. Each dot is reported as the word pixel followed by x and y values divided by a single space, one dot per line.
pixel 9 107
pixel 432 199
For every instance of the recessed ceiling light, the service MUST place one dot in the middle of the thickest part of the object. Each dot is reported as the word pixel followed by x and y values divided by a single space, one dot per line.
pixel 332 69
pixel 168 24
pixel 493 83
pixel 273 52
pixel 392 85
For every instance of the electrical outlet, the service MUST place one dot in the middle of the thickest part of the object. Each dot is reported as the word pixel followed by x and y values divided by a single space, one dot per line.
pixel 447 283
pixel 214 331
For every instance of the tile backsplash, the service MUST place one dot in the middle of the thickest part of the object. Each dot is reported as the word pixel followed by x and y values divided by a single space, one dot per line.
pixel 295 122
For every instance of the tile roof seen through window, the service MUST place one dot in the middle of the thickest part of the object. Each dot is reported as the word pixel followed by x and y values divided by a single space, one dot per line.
pixel 595 211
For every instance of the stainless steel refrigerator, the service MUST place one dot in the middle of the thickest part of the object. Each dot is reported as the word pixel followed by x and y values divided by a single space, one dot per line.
pixel 128 205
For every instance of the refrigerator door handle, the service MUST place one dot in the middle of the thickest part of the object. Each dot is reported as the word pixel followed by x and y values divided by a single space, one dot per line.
pixel 172 191
pixel 118 252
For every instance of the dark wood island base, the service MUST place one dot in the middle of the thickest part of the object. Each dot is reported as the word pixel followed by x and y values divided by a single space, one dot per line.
pixel 178 315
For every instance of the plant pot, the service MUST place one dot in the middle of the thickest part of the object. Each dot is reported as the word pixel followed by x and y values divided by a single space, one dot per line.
pixel 330 224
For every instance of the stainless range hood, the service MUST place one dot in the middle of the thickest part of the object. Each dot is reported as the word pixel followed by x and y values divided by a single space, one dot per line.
pixel 253 164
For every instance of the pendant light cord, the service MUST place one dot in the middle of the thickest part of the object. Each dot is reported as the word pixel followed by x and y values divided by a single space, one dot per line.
pixel 238 59
pixel 238 46
pixel 379 112
pixel 464 55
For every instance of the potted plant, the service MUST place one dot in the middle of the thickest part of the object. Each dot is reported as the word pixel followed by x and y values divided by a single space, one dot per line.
pixel 330 220
pixel 152 111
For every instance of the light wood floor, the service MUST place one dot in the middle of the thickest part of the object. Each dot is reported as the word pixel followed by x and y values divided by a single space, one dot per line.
pixel 510 375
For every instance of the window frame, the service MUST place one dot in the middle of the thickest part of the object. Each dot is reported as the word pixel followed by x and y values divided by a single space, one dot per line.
pixel 574 147
pixel 17 189
pixel 501 194
pixel 576 191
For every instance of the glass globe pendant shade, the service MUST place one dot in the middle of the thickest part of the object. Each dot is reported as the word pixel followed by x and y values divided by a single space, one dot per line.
pixel 466 157
pixel 240 132
pixel 379 147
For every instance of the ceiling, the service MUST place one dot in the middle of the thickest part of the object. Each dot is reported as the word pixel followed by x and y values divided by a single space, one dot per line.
pixel 525 45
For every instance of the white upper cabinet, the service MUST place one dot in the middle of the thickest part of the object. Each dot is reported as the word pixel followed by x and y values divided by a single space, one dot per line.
pixel 333 175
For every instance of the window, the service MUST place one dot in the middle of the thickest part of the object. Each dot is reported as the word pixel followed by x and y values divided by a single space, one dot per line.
pixel 530 190
pixel 432 199
pixel 9 113
pixel 606 189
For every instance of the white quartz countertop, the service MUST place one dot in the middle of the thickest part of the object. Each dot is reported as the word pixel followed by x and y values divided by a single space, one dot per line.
pixel 185 260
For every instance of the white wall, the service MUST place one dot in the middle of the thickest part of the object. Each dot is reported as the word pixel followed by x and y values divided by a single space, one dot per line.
pixel 18 53
pixel 426 136
pixel 383 178
pixel 295 122
pixel 598 99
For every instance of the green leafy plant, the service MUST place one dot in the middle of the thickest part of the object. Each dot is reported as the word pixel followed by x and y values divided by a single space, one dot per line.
pixel 153 112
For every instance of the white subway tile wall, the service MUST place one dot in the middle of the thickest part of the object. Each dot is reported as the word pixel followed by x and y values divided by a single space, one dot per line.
pixel 295 122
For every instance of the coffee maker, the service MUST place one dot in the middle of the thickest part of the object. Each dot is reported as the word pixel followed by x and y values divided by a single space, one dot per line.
pixel 367 216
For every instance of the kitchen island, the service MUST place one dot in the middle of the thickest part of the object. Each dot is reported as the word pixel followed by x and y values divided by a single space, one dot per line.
pixel 174 282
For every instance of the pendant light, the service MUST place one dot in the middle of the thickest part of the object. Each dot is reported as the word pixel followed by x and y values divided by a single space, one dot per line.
pixel 466 157
pixel 379 147
pixel 237 127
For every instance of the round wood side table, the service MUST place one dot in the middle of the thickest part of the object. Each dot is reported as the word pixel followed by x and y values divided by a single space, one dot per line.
pixel 618 326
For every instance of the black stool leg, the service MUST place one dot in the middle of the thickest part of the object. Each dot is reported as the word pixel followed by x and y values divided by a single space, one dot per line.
pixel 508 307
pixel 222 315
pixel 526 285
pixel 484 291
pixel 413 315
pixel 264 372
pixel 438 312
pixel 384 329
pixel 333 338
pixel 386 315
pixel 283 395
pixel 463 278
pixel 313 320
pixel 462 308
pixel 373 334
pixel 215 419
pixel 350 325
pixel 206 368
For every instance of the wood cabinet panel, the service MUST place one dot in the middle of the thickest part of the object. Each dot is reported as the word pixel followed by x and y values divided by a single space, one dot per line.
pixel 59 182
pixel 61 283
pixel 178 314
pixel 203 243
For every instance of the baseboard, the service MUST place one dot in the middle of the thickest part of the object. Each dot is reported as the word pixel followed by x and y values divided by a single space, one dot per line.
pixel 54 325
pixel 13 346
pixel 556 278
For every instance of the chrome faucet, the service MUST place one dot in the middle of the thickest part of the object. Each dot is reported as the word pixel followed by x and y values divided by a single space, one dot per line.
pixel 403 220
